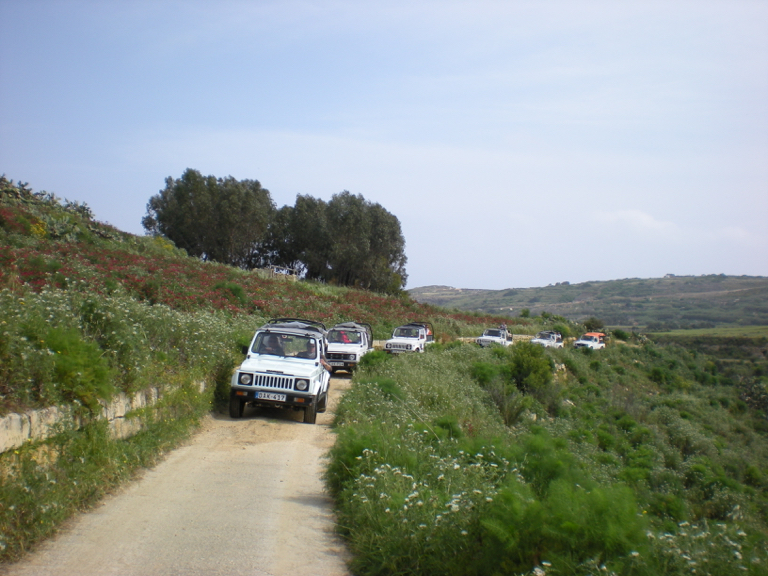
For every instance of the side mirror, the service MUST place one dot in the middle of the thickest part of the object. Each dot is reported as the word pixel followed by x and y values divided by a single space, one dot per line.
pixel 245 350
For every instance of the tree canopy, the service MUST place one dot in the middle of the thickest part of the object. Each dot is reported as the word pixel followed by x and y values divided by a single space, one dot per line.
pixel 347 241
pixel 219 219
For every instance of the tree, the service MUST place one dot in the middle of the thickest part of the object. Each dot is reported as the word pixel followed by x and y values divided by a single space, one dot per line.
pixel 212 218
pixel 593 324
pixel 347 241
pixel 368 248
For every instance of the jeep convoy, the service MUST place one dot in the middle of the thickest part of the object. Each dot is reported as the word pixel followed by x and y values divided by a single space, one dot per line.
pixel 500 336
pixel 283 368
pixel 347 344
pixel 548 339
pixel 593 340
pixel 413 337
pixel 289 361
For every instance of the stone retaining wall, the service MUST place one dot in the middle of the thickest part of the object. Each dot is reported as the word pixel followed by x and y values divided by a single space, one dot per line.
pixel 37 425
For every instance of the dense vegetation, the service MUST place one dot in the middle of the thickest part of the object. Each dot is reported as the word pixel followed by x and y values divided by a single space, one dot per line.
pixel 637 459
pixel 654 304
pixel 347 241
pixel 645 458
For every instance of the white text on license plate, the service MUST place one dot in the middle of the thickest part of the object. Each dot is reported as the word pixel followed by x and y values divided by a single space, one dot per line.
pixel 271 396
pixel 336 363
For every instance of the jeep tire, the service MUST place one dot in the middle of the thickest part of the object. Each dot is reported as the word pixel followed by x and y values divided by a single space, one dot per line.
pixel 236 405
pixel 310 414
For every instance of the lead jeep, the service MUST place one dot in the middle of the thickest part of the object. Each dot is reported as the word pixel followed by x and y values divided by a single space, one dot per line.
pixel 283 369
pixel 348 342
pixel 413 337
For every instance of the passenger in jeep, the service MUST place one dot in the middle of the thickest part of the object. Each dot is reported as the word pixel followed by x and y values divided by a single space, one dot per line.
pixel 311 353
pixel 272 345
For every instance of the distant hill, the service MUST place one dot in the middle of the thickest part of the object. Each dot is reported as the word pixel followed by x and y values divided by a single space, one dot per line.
pixel 672 302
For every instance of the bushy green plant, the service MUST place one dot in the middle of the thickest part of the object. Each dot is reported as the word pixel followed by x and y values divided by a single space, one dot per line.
pixel 529 367
pixel 79 368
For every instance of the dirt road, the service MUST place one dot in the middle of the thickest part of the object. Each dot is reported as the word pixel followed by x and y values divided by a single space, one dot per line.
pixel 242 497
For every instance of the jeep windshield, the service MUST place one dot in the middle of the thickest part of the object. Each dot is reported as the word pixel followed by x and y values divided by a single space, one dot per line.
pixel 344 337
pixel 492 333
pixel 286 345
pixel 406 333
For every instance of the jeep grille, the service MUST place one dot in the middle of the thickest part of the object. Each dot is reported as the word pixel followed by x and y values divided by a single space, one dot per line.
pixel 271 381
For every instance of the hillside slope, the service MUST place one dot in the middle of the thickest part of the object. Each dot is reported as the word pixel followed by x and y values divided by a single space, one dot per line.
pixel 654 303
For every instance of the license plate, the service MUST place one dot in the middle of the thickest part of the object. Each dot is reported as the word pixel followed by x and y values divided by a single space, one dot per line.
pixel 336 363
pixel 271 396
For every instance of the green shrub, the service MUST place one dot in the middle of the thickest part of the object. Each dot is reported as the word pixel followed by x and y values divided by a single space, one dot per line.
pixel 621 335
pixel 80 369
pixel 568 527
pixel 529 367
pixel 374 359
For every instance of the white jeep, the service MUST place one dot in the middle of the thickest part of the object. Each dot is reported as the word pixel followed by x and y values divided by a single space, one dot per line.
pixel 593 340
pixel 348 342
pixel 413 337
pixel 548 339
pixel 500 336
pixel 283 368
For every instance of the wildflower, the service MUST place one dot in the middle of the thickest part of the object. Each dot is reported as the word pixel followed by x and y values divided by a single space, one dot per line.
pixel 464 533
pixel 634 554
pixel 538 572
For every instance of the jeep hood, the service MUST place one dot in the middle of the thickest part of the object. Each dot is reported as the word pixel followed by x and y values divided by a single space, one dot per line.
pixel 298 367
pixel 344 348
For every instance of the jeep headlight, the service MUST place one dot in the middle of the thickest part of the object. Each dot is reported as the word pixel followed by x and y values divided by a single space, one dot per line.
pixel 302 385
pixel 408 347
pixel 351 357
pixel 389 345
pixel 245 379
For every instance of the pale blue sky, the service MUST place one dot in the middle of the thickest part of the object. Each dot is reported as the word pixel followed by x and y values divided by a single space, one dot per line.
pixel 520 143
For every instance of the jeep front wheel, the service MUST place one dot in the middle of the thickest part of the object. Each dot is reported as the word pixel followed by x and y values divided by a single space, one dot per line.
pixel 310 414
pixel 236 406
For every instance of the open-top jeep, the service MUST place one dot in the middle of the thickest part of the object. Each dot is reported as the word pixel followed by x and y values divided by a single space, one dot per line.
pixel 283 368
pixel 347 343
pixel 413 337
pixel 548 339
pixel 500 336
